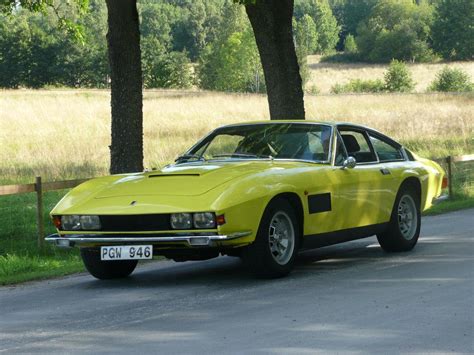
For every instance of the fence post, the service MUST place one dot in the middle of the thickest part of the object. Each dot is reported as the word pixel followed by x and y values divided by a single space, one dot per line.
pixel 450 176
pixel 39 210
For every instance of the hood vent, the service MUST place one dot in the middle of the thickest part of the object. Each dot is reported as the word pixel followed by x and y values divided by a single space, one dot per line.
pixel 172 175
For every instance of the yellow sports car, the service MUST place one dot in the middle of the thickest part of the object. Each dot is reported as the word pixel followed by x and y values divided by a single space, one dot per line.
pixel 262 191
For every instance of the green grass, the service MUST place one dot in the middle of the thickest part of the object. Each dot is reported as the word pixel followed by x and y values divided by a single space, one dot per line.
pixel 450 206
pixel 20 268
pixel 20 258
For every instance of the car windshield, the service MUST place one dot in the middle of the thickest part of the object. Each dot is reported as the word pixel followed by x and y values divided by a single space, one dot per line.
pixel 265 141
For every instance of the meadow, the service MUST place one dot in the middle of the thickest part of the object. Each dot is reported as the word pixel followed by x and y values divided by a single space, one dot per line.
pixel 64 134
pixel 325 75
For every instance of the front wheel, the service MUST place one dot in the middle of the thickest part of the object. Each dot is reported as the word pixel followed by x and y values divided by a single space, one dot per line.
pixel 404 226
pixel 274 251
pixel 104 270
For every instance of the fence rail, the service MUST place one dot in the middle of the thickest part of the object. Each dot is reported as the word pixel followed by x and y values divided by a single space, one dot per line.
pixel 39 187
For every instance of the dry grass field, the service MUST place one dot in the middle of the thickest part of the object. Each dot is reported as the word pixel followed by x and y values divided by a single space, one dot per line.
pixel 61 134
pixel 325 75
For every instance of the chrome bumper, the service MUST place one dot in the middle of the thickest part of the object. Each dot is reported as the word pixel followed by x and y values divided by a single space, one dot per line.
pixel 68 241
pixel 437 200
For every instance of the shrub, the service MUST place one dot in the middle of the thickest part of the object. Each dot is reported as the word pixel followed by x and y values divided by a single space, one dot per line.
pixel 452 80
pixel 359 86
pixel 398 78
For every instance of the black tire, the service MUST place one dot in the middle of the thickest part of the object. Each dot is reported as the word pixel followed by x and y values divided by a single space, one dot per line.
pixel 258 256
pixel 398 236
pixel 104 270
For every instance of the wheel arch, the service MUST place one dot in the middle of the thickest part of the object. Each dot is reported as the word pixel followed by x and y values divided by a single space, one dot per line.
pixel 413 182
pixel 295 201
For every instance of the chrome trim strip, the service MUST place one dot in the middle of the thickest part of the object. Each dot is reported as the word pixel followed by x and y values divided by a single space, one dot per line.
pixel 191 240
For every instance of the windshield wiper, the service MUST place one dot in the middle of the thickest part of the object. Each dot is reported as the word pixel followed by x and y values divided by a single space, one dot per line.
pixel 185 157
pixel 242 155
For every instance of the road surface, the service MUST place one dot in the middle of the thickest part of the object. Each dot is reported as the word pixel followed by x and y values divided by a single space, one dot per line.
pixel 350 298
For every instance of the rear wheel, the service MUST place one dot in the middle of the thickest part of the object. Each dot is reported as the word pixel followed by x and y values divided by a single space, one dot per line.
pixel 404 226
pixel 105 270
pixel 274 251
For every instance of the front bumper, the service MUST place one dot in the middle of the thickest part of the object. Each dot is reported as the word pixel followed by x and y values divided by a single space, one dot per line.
pixel 211 240
pixel 439 199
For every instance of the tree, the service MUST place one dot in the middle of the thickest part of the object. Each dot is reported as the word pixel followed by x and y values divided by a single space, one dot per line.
pixel 326 25
pixel 453 29
pixel 123 39
pixel 306 34
pixel 396 29
pixel 271 21
pixel 232 64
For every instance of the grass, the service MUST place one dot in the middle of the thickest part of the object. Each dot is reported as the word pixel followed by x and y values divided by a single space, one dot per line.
pixel 456 204
pixel 65 134
pixel 20 258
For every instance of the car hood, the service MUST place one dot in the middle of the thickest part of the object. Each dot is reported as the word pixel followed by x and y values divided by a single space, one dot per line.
pixel 181 180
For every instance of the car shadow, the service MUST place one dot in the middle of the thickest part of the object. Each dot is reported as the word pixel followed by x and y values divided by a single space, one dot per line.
pixel 231 272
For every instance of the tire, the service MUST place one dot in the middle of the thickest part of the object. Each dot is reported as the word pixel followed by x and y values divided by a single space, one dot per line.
pixel 268 256
pixel 104 270
pixel 404 227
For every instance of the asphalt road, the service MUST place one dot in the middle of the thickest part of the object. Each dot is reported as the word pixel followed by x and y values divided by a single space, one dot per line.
pixel 347 298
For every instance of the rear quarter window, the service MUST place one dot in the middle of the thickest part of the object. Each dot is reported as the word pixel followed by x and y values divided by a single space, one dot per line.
pixel 386 151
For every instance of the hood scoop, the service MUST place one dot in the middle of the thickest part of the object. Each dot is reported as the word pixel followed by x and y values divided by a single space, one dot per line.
pixel 173 175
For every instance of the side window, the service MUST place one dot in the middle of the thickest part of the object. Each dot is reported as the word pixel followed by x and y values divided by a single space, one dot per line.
pixel 386 151
pixel 357 146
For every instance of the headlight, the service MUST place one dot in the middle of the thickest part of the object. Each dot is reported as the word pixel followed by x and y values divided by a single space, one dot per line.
pixel 181 220
pixel 204 220
pixel 71 223
pixel 90 222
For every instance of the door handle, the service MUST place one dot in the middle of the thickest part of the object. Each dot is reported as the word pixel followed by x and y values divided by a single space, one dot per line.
pixel 385 171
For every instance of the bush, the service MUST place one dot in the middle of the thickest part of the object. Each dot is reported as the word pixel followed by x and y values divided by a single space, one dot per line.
pixel 359 86
pixel 398 78
pixel 452 80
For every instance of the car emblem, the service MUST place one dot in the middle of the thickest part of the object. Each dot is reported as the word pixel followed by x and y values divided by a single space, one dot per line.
pixel 133 203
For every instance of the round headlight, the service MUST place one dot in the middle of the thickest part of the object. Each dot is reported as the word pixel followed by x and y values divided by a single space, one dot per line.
pixel 181 221
pixel 204 220
pixel 71 222
pixel 90 222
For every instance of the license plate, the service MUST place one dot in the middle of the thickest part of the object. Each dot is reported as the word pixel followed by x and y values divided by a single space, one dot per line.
pixel 126 252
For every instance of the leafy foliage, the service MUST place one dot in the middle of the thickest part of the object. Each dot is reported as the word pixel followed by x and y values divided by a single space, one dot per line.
pixel 359 86
pixel 396 29
pixel 453 29
pixel 398 78
pixel 232 63
pixel 452 80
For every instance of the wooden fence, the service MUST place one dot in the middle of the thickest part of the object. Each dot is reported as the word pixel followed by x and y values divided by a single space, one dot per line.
pixel 39 187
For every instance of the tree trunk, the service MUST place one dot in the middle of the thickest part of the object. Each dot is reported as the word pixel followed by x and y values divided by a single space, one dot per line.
pixel 123 40
pixel 272 25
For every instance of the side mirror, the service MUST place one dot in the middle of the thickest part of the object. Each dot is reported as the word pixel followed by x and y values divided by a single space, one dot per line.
pixel 349 163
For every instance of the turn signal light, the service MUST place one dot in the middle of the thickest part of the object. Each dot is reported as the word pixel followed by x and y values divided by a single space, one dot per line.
pixel 57 221
pixel 444 183
pixel 220 220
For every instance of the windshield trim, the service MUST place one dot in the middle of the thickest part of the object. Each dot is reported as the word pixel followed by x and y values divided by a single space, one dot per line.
pixel 197 145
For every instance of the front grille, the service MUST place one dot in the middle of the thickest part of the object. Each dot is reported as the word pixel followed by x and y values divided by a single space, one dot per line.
pixel 139 222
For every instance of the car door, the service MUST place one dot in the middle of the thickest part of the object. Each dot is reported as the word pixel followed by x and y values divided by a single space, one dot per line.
pixel 392 165
pixel 361 191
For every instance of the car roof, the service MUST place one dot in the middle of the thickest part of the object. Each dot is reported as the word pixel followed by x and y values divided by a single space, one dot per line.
pixel 328 123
